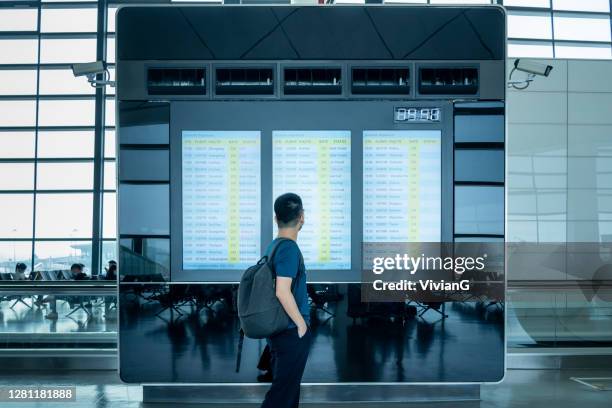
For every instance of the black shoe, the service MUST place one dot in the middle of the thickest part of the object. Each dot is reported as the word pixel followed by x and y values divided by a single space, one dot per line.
pixel 265 377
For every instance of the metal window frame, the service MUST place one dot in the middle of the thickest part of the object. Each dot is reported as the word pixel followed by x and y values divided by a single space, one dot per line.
pixel 98 159
pixel 551 11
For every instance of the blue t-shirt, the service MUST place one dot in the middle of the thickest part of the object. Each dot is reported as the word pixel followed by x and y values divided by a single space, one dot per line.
pixel 287 263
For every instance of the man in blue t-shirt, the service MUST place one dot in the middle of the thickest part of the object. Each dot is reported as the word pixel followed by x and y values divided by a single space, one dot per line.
pixel 289 348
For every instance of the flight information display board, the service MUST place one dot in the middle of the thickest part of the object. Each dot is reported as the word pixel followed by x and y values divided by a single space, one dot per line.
pixel 316 165
pixel 402 182
pixel 221 199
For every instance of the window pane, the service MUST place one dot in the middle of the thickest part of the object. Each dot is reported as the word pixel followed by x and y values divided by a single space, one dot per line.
pixel 144 165
pixel 144 123
pixel 110 176
pixel 59 144
pixel 63 82
pixel 16 176
pixel 524 24
pixel 18 19
pixel 577 50
pixel 479 128
pixel 110 50
pixel 110 26
pixel 13 252
pixel 109 144
pixel 17 82
pixel 109 113
pixel 18 113
pixel 60 50
pixel 64 215
pixel 64 20
pixel 109 218
pixel 65 176
pixel 66 113
pixel 479 210
pixel 587 27
pixel 527 3
pixel 109 252
pixel 144 209
pixel 18 51
pixel 479 165
pixel 145 256
pixel 582 5
pixel 536 49
pixel 18 223
pixel 109 89
pixel 60 255
pixel 16 145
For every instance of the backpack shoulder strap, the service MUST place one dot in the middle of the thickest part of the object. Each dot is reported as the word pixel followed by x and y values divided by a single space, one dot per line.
pixel 276 245
pixel 270 259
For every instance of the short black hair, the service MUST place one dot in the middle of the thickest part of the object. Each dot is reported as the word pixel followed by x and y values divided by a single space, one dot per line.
pixel 78 266
pixel 288 208
pixel 20 266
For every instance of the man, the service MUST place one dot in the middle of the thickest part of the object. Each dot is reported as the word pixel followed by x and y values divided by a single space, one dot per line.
pixel 77 272
pixel 289 348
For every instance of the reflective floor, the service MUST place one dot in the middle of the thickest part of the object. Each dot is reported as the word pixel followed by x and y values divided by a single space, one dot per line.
pixel 521 388
pixel 187 344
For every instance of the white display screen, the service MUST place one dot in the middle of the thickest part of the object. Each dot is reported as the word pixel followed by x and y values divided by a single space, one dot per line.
pixel 221 174
pixel 316 165
pixel 402 183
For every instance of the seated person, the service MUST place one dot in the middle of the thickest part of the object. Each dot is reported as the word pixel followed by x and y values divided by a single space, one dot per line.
pixel 19 273
pixel 77 272
pixel 111 271
pixel 111 275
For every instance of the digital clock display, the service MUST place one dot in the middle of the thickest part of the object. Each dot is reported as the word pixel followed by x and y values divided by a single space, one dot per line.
pixel 418 115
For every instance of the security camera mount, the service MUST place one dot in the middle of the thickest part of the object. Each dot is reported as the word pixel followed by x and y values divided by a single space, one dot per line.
pixel 91 70
pixel 520 85
pixel 95 83
pixel 531 68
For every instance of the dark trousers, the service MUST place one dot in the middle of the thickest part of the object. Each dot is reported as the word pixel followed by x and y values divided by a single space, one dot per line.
pixel 289 355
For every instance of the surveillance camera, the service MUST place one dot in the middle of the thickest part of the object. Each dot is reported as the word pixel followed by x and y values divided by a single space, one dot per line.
pixel 89 68
pixel 532 67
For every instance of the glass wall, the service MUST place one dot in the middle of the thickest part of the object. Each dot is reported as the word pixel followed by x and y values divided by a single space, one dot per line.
pixel 47 141
pixel 559 28
pixel 558 221
pixel 47 188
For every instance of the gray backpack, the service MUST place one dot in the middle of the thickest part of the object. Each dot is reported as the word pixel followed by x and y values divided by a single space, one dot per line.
pixel 259 310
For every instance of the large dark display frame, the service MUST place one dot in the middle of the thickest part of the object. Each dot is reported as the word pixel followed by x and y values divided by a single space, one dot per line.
pixel 179 326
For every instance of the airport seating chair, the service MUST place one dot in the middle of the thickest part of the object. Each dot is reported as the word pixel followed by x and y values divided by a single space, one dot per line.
pixel 7 276
pixel 207 296
pixel 396 311
pixel 18 299
pixel 321 296
pixel 438 307
pixel 171 299
pixel 79 305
